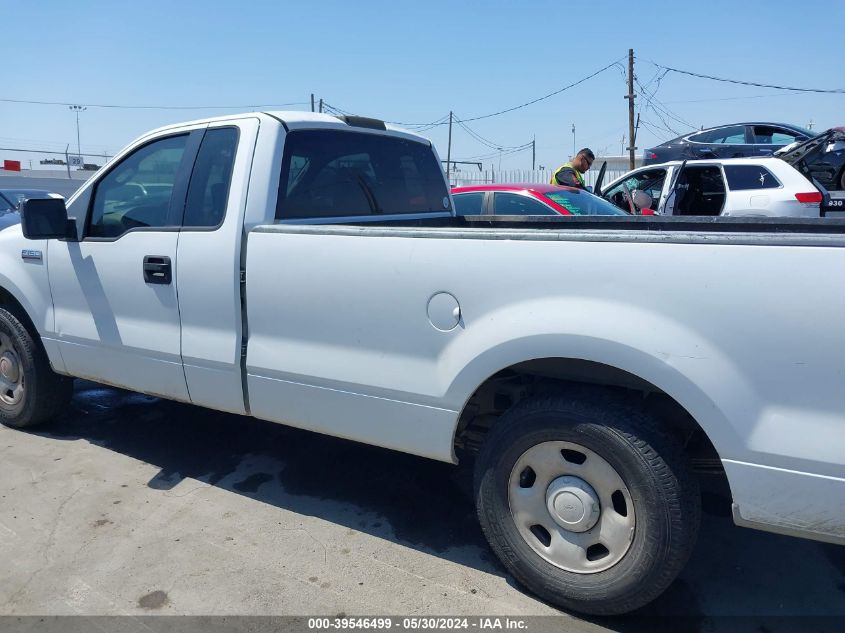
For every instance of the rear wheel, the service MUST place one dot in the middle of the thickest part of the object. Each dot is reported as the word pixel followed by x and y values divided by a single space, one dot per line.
pixel 586 502
pixel 30 392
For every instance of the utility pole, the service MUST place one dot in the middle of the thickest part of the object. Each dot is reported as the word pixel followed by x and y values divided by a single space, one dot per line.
pixel 449 148
pixel 811 124
pixel 312 102
pixel 321 104
pixel 77 109
pixel 574 147
pixel 630 97
pixel 636 129
pixel 534 153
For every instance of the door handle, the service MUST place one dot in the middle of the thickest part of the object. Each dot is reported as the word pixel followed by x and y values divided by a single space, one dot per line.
pixel 157 269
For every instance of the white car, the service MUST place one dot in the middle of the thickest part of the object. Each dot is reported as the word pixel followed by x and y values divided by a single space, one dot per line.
pixel 728 187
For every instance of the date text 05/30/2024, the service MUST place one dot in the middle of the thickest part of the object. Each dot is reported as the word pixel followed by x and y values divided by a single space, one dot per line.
pixel 416 623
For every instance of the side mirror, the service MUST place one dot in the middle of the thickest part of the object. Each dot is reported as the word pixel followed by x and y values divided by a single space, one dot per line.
pixel 46 219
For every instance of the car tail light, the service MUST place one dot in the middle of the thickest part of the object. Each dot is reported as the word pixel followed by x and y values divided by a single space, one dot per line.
pixel 812 197
pixel 650 155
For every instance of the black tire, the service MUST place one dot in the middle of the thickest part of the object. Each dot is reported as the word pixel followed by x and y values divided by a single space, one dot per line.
pixel 665 497
pixel 45 393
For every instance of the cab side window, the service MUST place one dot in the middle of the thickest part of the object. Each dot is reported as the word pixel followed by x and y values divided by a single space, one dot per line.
pixel 137 192
pixel 208 192
pixel 731 135
pixel 768 135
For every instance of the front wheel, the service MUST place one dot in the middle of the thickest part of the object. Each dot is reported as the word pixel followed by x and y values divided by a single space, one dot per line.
pixel 586 502
pixel 30 392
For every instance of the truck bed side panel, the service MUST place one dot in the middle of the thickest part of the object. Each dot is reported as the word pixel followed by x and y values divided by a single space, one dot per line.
pixel 743 335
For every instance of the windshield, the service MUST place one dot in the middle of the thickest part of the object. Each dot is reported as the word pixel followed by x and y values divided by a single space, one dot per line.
pixel 583 203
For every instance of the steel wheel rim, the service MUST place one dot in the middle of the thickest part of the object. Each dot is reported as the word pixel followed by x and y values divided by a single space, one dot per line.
pixel 571 507
pixel 12 388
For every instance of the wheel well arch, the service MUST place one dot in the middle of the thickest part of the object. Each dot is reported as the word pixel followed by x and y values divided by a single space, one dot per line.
pixel 508 386
pixel 10 303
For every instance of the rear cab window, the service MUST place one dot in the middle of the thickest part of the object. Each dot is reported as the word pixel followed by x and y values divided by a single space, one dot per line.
pixel 339 173
pixel 745 177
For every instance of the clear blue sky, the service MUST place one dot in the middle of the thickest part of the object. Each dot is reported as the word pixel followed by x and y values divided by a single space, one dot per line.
pixel 413 62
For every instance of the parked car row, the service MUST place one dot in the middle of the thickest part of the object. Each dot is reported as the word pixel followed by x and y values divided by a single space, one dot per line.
pixel 791 182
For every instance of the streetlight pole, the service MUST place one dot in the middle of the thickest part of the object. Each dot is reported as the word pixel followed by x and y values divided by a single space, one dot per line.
pixel 77 109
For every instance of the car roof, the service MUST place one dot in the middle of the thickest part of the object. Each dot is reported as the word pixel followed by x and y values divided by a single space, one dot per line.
pixel 535 187
pixel 791 126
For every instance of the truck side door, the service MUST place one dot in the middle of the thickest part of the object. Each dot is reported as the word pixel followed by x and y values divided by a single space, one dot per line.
pixel 114 292
pixel 209 254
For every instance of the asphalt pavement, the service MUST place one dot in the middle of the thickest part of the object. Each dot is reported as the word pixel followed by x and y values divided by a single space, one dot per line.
pixel 134 506
pixel 62 186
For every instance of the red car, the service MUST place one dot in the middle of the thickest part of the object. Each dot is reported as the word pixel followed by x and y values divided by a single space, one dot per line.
pixel 529 199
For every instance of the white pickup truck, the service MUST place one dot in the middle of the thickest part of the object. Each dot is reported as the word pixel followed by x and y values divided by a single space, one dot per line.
pixel 309 270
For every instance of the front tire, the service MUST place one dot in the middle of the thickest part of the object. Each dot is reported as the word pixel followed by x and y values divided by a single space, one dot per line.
pixel 586 502
pixel 30 392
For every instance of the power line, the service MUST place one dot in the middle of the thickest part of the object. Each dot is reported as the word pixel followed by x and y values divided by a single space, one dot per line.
pixel 481 139
pixel 490 155
pixel 527 103
pixel 335 109
pixel 420 127
pixel 650 105
pixel 660 108
pixel 654 129
pixel 768 96
pixel 255 106
pixel 750 83
pixel 44 151
pixel 434 124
